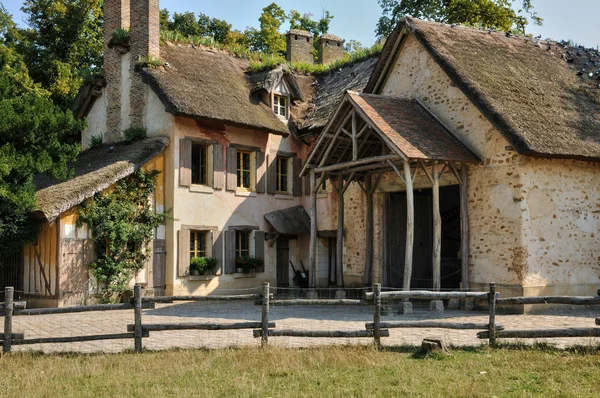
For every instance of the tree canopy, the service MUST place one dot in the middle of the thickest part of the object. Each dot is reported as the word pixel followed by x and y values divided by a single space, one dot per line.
pixel 488 13
pixel 34 136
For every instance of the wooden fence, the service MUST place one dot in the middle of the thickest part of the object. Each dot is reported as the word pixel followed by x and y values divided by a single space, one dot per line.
pixel 265 329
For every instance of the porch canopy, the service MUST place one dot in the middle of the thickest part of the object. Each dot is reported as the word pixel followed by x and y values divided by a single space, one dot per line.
pixel 374 134
pixel 291 221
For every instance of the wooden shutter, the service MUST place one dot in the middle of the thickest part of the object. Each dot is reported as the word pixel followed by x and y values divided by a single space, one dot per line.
pixel 272 174
pixel 229 256
pixel 184 253
pixel 185 162
pixel 217 250
pixel 218 166
pixel 231 169
pixel 260 183
pixel 307 185
pixel 259 246
pixel 297 181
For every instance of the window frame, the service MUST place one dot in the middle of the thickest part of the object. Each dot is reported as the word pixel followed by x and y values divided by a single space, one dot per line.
pixel 241 170
pixel 240 236
pixel 194 251
pixel 279 189
pixel 206 148
pixel 278 107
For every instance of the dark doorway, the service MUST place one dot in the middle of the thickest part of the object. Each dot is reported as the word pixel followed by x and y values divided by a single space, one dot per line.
pixel 11 270
pixel 283 261
pixel 332 261
pixel 422 274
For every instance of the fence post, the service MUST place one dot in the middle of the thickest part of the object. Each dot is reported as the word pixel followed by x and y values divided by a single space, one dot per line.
pixel 377 315
pixel 265 315
pixel 492 308
pixel 137 305
pixel 8 306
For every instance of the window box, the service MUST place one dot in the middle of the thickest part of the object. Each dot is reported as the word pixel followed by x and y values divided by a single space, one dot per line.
pixel 244 275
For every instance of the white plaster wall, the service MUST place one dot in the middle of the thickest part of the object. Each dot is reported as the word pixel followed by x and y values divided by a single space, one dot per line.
pixel 222 209
pixel 96 121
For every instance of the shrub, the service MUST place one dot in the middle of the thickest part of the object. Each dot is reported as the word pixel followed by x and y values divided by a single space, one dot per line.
pixel 135 134
pixel 120 37
pixel 204 265
pixel 148 62
pixel 96 141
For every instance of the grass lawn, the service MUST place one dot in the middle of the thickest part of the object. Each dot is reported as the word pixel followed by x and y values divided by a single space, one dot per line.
pixel 326 372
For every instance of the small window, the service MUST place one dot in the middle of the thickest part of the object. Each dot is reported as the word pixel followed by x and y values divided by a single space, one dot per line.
pixel 198 244
pixel 244 170
pixel 199 164
pixel 242 243
pixel 281 182
pixel 280 105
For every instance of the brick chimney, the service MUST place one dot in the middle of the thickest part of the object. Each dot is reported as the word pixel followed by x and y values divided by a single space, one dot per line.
pixel 299 46
pixel 116 15
pixel 145 43
pixel 330 49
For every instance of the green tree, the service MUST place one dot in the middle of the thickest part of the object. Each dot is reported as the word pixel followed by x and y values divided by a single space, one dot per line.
pixel 268 39
pixel 165 19
pixel 32 140
pixel 63 44
pixel 352 46
pixel 185 23
pixel 487 13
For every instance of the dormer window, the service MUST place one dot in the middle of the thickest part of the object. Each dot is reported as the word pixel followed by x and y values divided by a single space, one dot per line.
pixel 280 105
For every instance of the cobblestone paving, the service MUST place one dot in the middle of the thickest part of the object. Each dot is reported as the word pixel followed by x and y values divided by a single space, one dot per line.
pixel 299 318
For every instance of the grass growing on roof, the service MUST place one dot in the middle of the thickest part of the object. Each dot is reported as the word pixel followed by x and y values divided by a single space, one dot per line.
pixel 261 61
pixel 325 372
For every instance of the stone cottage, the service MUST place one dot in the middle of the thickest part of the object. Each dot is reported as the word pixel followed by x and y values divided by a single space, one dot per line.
pixel 476 160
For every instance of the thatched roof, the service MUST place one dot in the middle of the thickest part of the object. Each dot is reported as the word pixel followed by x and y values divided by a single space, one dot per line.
pixel 328 91
pixel 269 79
pixel 530 91
pixel 299 32
pixel 329 36
pixel 95 170
pixel 411 128
pixel 208 84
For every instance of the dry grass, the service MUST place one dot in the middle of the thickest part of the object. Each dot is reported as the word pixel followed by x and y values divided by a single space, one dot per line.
pixel 337 372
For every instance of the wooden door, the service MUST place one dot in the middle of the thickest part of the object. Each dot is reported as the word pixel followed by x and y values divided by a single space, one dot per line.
pixel 396 239
pixel 11 270
pixel 283 262
pixel 158 267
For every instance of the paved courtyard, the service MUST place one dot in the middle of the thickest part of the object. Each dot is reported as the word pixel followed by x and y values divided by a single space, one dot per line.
pixel 298 317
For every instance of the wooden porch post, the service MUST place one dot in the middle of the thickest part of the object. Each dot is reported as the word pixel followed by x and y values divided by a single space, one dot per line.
pixel 369 237
pixel 313 230
pixel 437 230
pixel 339 269
pixel 410 226
pixel 464 232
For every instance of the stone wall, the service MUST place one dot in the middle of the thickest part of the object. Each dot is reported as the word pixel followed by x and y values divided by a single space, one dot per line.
pixel 330 49
pixel 116 15
pixel 299 46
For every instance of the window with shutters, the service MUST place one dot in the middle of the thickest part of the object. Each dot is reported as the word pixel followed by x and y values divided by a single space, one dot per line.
pixel 282 175
pixel 244 170
pixel 198 244
pixel 242 243
pixel 199 164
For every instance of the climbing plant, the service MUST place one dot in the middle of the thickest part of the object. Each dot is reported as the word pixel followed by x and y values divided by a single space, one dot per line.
pixel 122 223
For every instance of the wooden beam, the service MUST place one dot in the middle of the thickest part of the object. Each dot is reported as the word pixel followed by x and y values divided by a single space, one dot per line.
pixel 402 176
pixel 568 300
pixel 42 271
pixel 347 183
pixel 433 325
pixel 339 269
pixel 377 180
pixel 313 229
pixel 410 226
pixel 272 241
pixel 369 231
pixel 429 295
pixel 359 162
pixel 543 333
pixel 455 172
pixel 354 137
pixel 157 327
pixel 322 333
pixel 426 170
pixel 437 229
pixel 347 133
pixel 292 302
pixel 464 226
pixel 363 130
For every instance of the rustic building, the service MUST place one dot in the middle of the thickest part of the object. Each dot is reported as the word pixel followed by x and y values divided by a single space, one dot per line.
pixel 457 158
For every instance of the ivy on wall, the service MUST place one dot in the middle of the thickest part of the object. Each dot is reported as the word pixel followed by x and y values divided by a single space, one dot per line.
pixel 122 224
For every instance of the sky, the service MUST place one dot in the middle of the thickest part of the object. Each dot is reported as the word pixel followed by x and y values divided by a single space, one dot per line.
pixel 356 19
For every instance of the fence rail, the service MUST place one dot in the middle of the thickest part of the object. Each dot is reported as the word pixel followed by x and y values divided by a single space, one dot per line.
pixel 264 329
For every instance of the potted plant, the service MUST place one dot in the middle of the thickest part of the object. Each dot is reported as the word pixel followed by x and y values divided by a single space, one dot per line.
pixel 197 266
pixel 248 264
pixel 211 264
